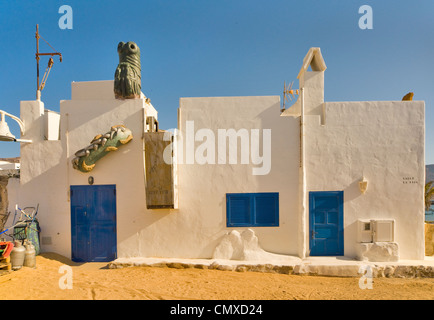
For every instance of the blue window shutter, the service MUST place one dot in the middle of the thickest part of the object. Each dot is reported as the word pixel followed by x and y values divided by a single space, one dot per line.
pixel 266 209
pixel 252 209
pixel 238 210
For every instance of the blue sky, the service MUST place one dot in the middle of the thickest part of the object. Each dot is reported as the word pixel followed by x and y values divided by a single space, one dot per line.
pixel 202 48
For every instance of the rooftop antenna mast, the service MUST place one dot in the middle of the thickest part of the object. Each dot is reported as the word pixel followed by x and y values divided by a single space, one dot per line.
pixel 287 93
pixel 40 86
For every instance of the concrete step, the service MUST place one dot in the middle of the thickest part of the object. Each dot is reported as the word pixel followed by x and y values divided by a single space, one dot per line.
pixel 312 266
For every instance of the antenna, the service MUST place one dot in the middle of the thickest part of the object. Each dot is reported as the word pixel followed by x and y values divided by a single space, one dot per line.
pixel 287 93
pixel 40 86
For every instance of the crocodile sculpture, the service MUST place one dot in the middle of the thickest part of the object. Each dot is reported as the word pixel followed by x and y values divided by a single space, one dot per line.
pixel 102 144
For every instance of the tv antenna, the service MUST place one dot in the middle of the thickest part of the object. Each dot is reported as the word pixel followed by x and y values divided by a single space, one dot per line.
pixel 287 93
pixel 40 86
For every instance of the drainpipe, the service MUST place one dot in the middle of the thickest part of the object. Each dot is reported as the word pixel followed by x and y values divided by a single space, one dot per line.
pixel 302 247
pixel 66 119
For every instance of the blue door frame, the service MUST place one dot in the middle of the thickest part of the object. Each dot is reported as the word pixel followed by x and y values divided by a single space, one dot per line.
pixel 93 223
pixel 326 223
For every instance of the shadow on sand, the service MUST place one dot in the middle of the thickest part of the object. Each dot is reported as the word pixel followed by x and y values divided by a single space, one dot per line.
pixel 64 260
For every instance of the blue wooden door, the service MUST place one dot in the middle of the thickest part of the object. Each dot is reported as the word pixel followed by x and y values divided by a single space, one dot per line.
pixel 326 223
pixel 93 223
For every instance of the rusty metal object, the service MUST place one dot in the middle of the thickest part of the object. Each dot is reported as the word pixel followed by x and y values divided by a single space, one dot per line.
pixel 40 86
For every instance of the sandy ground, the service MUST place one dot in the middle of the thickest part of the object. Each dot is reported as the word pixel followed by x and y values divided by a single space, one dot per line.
pixel 96 281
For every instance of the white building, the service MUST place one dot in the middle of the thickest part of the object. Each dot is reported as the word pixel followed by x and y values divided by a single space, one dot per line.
pixel 307 181
pixel 9 165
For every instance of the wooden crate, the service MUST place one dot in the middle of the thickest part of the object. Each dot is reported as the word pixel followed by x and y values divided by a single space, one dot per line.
pixel 5 263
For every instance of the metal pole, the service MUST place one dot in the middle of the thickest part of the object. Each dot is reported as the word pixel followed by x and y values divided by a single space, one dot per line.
pixel 37 62
pixel 302 185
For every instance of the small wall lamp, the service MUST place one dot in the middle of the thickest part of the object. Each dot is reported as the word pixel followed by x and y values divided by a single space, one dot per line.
pixel 5 133
pixel 363 185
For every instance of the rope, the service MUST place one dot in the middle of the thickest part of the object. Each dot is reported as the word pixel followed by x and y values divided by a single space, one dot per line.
pixel 49 44
pixel 50 64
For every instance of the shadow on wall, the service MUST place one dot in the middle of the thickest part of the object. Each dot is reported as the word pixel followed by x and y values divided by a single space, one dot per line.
pixel 285 146
pixel 47 190
pixel 352 191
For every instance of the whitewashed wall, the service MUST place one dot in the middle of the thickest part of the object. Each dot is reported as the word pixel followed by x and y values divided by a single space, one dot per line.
pixel 198 225
pixel 203 188
pixel 382 141
pixel 46 170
